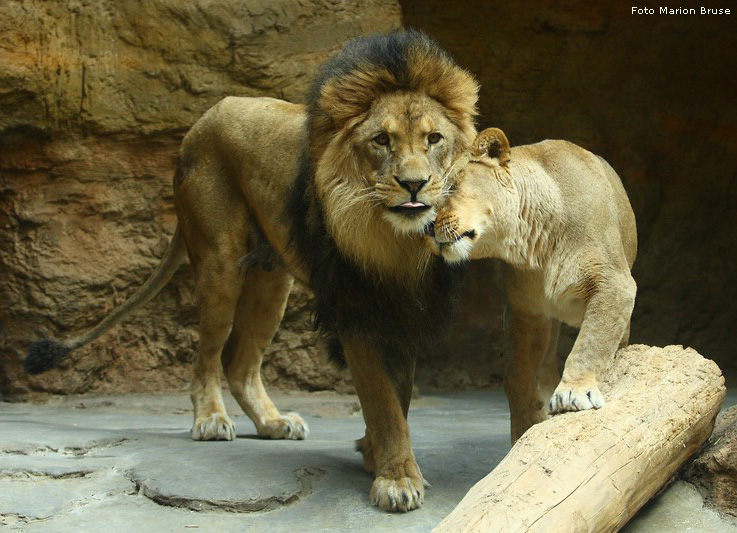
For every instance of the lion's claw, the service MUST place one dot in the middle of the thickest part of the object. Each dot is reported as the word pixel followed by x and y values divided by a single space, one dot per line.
pixel 217 426
pixel 397 495
pixel 289 426
pixel 575 398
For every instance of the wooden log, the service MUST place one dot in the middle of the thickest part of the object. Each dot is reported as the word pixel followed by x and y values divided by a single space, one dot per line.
pixel 592 470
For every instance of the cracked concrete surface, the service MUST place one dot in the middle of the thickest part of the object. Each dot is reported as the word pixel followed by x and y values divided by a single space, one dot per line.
pixel 121 463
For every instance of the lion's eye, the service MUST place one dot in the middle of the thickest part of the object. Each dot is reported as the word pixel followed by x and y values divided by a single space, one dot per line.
pixel 434 138
pixel 382 139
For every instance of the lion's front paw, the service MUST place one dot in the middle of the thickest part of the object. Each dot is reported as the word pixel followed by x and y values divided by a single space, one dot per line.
pixel 575 398
pixel 216 426
pixel 399 488
pixel 397 495
pixel 288 426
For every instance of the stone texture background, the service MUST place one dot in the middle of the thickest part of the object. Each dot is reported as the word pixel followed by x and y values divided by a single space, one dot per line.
pixel 655 96
pixel 96 95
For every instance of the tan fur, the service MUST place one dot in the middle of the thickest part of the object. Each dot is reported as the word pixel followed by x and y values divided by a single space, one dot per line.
pixel 560 219
pixel 355 196
pixel 236 168
pixel 230 180
pixel 267 191
pixel 241 175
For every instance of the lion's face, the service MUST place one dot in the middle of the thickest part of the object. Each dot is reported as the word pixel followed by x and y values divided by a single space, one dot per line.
pixel 383 132
pixel 466 216
pixel 404 148
pixel 399 152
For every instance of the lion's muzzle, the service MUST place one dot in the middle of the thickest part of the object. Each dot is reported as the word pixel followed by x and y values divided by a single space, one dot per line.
pixel 452 243
pixel 447 230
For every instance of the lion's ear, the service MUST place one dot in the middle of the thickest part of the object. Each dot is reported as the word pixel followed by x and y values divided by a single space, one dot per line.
pixel 493 143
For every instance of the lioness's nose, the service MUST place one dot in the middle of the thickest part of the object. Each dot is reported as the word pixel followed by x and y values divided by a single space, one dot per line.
pixel 412 185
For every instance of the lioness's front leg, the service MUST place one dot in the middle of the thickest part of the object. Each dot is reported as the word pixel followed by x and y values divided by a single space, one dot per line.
pixel 398 483
pixel 604 326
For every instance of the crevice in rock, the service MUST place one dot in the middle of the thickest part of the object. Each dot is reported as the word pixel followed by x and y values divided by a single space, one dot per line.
pixel 102 489
pixel 94 446
pixel 34 475
pixel 306 478
pixel 14 520
pixel 73 451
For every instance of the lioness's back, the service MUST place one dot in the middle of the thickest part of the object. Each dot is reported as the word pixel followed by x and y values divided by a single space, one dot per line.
pixel 589 186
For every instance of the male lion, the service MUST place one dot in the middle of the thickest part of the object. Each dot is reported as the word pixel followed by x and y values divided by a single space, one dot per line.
pixel 559 218
pixel 384 120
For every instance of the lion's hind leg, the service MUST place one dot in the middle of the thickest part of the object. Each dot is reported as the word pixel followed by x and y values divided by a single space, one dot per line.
pixel 218 283
pixel 257 317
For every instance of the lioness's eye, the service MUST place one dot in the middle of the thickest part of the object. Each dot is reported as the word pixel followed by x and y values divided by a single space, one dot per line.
pixel 434 138
pixel 382 139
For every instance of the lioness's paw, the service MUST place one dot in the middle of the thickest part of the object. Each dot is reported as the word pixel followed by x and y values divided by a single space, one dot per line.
pixel 575 398
pixel 288 426
pixel 398 495
pixel 217 426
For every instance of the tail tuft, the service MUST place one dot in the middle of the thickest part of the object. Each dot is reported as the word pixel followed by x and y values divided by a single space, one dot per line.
pixel 44 355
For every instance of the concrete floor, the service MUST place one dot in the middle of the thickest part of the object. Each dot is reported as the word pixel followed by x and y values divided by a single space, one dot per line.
pixel 122 463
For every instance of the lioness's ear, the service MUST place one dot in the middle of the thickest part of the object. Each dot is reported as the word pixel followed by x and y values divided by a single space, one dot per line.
pixel 494 143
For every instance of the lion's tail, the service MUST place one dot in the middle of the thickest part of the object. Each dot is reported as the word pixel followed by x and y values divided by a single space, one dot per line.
pixel 45 354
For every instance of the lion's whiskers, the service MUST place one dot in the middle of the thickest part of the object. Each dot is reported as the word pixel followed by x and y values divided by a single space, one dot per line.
pixel 344 198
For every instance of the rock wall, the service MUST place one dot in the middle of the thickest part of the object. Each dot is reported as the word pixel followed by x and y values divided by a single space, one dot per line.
pixel 95 96
pixel 655 96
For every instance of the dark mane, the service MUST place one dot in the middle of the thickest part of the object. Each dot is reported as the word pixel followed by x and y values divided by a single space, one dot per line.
pixel 389 316
pixel 367 67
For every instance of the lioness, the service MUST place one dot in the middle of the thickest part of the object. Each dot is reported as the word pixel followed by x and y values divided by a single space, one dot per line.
pixel 336 195
pixel 559 218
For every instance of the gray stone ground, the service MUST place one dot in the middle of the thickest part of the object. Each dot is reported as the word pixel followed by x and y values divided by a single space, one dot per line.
pixel 124 463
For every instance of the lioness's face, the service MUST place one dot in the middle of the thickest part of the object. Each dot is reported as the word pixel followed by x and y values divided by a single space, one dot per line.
pixel 405 147
pixel 466 215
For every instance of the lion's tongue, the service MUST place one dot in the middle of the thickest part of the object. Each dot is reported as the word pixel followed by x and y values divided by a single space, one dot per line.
pixel 412 204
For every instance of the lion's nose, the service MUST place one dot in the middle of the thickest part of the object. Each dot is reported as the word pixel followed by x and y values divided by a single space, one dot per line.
pixel 413 186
